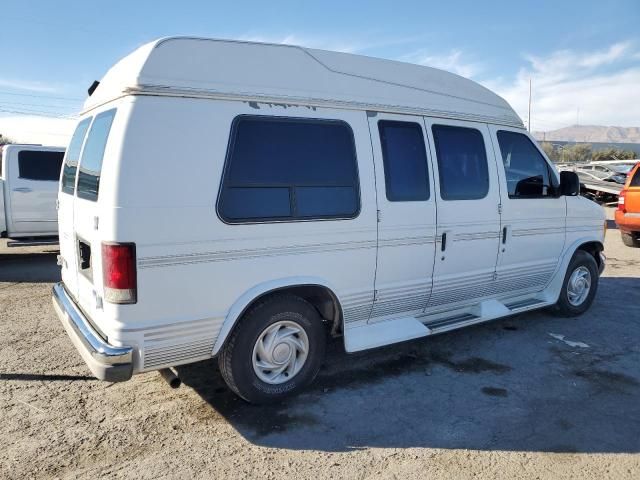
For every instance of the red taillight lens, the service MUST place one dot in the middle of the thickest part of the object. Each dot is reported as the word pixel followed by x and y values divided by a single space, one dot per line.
pixel 621 200
pixel 119 272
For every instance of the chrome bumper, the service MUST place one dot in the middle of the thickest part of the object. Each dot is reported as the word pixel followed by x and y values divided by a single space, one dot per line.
pixel 106 362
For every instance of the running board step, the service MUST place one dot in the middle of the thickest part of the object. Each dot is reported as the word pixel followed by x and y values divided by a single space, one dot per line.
pixel 33 242
pixel 383 333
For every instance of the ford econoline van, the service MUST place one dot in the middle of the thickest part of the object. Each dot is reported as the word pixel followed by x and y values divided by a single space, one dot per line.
pixel 244 201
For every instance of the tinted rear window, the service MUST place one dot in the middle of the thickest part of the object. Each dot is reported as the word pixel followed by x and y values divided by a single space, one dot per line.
pixel 91 162
pixel 289 169
pixel 635 180
pixel 35 165
pixel 405 161
pixel 462 163
pixel 68 180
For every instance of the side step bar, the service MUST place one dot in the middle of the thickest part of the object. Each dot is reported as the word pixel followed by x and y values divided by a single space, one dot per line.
pixel 33 242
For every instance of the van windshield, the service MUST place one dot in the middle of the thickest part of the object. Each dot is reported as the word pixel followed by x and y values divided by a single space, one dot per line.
pixel 92 154
pixel 68 180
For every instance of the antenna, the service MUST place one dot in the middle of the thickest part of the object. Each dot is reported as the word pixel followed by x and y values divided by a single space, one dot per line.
pixel 529 121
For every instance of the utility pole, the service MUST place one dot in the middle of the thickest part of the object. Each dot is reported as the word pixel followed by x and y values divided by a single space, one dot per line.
pixel 529 121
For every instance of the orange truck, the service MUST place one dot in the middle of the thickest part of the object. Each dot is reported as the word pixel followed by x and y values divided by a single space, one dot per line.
pixel 628 212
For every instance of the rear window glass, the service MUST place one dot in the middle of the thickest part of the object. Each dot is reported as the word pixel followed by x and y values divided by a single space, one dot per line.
pixel 462 162
pixel 91 162
pixel 38 165
pixel 405 161
pixel 289 169
pixel 635 180
pixel 68 180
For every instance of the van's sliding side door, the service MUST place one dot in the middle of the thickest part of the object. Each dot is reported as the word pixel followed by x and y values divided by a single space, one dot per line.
pixel 406 214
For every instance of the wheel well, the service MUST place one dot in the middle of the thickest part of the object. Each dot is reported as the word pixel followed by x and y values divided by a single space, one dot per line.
pixel 594 249
pixel 320 297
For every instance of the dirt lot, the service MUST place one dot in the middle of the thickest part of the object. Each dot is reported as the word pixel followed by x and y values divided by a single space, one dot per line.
pixel 514 398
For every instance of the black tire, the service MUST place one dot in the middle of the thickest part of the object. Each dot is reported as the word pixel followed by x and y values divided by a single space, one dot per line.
pixel 630 239
pixel 236 358
pixel 564 307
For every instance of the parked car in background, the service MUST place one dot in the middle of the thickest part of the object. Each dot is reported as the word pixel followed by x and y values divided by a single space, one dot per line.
pixel 628 213
pixel 311 192
pixel 29 176
pixel 608 173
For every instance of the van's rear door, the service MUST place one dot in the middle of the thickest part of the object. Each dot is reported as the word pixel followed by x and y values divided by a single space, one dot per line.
pixel 86 218
pixel 66 197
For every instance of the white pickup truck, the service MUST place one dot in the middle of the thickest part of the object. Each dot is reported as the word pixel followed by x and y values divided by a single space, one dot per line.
pixel 29 176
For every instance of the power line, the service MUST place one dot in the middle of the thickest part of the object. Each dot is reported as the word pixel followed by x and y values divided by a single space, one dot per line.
pixel 38 113
pixel 71 99
pixel 39 105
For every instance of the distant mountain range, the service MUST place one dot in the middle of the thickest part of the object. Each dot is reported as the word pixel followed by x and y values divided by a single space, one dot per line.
pixel 591 134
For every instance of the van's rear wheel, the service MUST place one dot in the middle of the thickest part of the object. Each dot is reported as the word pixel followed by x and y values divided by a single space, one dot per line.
pixel 275 350
pixel 579 286
pixel 631 239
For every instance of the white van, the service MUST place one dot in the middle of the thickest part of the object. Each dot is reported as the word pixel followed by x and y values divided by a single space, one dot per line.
pixel 28 190
pixel 244 200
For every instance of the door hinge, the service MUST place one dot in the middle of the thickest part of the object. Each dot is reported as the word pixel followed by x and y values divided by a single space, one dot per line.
pixel 96 222
pixel 57 204
pixel 500 208
pixel 495 276
pixel 375 295
pixel 379 216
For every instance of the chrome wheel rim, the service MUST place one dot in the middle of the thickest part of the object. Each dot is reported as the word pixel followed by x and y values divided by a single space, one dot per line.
pixel 579 286
pixel 280 352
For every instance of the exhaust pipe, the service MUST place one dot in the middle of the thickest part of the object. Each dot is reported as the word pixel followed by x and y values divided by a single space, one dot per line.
pixel 170 377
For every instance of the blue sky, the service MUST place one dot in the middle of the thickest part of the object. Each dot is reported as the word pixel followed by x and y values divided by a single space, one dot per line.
pixel 583 57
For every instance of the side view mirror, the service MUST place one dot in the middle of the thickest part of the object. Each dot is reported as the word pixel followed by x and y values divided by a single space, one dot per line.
pixel 569 184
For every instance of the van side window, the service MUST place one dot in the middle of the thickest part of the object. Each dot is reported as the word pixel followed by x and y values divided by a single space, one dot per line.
pixel 34 165
pixel 68 179
pixel 526 169
pixel 462 163
pixel 91 162
pixel 405 161
pixel 289 169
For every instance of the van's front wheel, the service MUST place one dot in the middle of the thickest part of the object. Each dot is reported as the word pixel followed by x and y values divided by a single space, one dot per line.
pixel 275 350
pixel 579 286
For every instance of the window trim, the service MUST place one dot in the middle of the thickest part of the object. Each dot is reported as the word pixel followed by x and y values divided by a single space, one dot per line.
pixel 437 161
pixel 554 184
pixel 385 160
pixel 20 177
pixel 276 118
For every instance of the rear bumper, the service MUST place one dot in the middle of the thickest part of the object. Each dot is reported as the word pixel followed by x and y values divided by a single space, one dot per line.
pixel 629 222
pixel 106 362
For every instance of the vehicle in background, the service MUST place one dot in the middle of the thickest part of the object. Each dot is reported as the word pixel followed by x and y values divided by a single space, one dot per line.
pixel 609 173
pixel 29 176
pixel 314 193
pixel 628 212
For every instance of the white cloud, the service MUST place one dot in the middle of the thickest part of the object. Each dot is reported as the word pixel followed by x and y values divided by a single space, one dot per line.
pixel 594 88
pixel 32 129
pixel 451 62
pixel 27 85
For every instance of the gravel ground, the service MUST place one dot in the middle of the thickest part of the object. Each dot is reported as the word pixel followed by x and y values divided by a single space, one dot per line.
pixel 514 398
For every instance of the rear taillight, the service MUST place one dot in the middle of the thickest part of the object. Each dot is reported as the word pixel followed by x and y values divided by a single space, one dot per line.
pixel 621 196
pixel 119 272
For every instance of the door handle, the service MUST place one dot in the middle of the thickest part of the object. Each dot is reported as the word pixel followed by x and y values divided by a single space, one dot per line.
pixel 443 243
pixel 22 189
pixel 504 235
